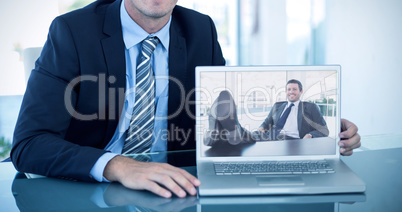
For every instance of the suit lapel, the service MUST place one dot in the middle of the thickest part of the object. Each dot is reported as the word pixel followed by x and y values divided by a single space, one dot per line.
pixel 113 50
pixel 300 116
pixel 281 108
pixel 177 74
pixel 177 66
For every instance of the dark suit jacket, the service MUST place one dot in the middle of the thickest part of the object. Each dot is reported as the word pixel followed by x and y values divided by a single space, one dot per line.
pixel 75 94
pixel 309 119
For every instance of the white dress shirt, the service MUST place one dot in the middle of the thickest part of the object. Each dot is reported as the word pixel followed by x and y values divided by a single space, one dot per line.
pixel 133 35
pixel 291 127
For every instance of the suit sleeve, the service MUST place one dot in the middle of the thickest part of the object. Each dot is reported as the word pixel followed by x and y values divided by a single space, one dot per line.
pixel 316 121
pixel 39 144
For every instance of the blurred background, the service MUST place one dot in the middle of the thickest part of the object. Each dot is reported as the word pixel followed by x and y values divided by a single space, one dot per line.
pixel 363 36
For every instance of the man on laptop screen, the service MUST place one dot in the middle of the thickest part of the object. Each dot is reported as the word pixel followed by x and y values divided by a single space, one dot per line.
pixel 286 120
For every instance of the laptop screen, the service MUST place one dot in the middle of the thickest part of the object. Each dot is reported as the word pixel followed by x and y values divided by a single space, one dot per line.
pixel 260 111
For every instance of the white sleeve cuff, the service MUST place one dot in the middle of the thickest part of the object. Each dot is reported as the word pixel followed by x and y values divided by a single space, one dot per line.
pixel 99 167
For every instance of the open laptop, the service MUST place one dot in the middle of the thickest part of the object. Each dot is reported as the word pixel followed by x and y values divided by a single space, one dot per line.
pixel 268 166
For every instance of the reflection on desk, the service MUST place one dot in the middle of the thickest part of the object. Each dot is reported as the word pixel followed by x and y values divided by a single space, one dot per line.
pixel 379 169
pixel 47 194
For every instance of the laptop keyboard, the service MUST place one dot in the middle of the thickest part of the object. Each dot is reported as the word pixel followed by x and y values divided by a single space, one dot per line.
pixel 273 167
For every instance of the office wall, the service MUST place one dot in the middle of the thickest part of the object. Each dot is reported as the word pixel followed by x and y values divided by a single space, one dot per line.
pixel 269 41
pixel 365 37
pixel 24 24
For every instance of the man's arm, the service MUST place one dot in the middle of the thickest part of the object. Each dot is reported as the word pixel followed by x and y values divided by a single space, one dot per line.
pixel 315 121
pixel 40 144
pixel 269 121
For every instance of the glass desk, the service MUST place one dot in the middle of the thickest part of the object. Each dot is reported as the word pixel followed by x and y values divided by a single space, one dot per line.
pixel 379 169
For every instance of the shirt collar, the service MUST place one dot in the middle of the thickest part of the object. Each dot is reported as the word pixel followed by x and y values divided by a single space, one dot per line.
pixel 134 34
pixel 295 103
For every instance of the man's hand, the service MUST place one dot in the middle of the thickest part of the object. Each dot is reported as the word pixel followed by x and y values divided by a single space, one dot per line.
pixel 261 129
pixel 308 135
pixel 159 178
pixel 350 139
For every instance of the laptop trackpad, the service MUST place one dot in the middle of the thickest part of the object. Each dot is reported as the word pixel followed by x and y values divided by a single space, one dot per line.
pixel 280 180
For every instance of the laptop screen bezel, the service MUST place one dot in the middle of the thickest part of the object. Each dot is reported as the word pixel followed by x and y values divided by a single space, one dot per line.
pixel 201 69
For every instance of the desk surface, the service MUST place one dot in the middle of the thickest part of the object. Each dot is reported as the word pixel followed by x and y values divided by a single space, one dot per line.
pixel 377 168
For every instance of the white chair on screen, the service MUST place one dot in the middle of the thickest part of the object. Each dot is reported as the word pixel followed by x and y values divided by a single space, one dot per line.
pixel 30 55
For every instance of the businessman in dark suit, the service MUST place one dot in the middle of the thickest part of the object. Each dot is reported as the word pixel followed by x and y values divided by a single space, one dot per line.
pixel 304 119
pixel 73 117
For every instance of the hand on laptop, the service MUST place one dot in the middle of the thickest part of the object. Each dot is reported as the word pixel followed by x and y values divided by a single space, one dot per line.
pixel 350 139
pixel 159 178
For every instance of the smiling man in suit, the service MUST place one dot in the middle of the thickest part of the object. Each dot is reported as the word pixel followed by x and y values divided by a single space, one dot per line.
pixel 287 120
pixel 294 118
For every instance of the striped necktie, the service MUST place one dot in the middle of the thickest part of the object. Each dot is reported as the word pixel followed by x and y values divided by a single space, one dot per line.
pixel 139 133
